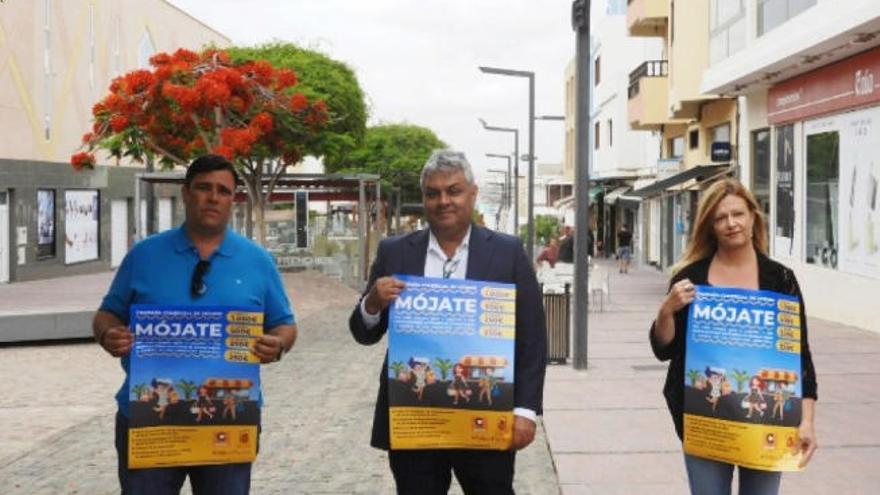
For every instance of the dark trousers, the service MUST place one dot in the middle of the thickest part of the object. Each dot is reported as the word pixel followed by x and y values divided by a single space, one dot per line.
pixel 223 479
pixel 429 472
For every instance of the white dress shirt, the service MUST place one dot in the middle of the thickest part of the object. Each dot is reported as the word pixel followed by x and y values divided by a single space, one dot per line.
pixel 438 265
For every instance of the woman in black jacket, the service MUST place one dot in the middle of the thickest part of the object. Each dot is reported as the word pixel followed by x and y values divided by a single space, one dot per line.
pixel 728 249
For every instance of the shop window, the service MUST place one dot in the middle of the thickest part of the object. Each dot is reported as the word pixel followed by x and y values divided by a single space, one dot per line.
pixel 596 135
pixel 785 186
pixel 761 170
pixel 823 168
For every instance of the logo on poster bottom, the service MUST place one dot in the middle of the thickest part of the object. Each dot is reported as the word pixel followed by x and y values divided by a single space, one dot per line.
pixel 221 438
pixel 479 423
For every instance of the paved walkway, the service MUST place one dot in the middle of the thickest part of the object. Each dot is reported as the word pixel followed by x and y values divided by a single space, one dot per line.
pixel 605 430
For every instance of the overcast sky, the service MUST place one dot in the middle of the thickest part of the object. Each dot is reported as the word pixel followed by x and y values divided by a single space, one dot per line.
pixel 417 60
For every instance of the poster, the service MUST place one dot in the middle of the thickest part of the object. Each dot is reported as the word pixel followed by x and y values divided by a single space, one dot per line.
pixel 80 225
pixel 450 355
pixel 742 402
pixel 859 193
pixel 785 214
pixel 194 385
pixel 45 223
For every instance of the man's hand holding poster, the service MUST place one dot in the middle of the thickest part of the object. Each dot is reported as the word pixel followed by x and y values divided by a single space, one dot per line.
pixel 742 378
pixel 450 355
pixel 194 385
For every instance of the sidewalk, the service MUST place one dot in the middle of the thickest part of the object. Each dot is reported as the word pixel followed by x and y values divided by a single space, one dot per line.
pixel 610 433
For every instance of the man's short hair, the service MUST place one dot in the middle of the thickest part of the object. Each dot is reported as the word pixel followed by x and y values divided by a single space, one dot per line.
pixel 208 163
pixel 446 161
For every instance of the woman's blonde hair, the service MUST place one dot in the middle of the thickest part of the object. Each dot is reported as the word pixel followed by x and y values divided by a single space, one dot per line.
pixel 703 243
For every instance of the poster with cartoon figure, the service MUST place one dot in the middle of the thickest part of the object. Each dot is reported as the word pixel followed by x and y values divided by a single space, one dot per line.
pixel 450 371
pixel 742 390
pixel 194 385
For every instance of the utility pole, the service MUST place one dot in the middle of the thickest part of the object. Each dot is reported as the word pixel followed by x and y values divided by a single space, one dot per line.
pixel 580 22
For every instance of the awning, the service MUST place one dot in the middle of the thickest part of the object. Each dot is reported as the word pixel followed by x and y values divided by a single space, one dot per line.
pixel 483 361
pixel 227 383
pixel 778 375
pixel 699 173
pixel 611 197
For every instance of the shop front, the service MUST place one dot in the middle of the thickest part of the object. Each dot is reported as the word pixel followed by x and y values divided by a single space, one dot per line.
pixel 825 219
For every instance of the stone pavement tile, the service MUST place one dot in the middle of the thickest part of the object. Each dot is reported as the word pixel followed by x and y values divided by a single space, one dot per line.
pixel 627 489
pixel 847 425
pixel 850 471
pixel 600 394
pixel 608 469
pixel 611 431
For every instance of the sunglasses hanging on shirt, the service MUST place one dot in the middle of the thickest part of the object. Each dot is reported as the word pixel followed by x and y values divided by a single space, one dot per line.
pixel 197 286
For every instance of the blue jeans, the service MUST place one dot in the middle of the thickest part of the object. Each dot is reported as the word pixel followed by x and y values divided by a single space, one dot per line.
pixel 707 477
pixel 223 479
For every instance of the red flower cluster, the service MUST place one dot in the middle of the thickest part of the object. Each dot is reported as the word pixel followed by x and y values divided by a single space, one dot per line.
pixel 82 160
pixel 243 111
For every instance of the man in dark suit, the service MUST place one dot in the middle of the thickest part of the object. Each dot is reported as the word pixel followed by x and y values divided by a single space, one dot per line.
pixel 453 247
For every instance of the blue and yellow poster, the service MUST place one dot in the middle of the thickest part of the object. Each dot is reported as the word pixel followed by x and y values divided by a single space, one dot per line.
pixel 742 402
pixel 450 355
pixel 194 385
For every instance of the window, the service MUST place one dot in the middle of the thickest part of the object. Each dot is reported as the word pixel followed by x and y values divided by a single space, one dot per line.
pixel 596 136
pixel 694 139
pixel 823 162
pixel 45 223
pixel 610 133
pixel 146 49
pixel 676 147
pixel 727 28
pixel 47 71
pixel 720 133
pixel 773 13
pixel 761 170
pixel 616 7
pixel 597 67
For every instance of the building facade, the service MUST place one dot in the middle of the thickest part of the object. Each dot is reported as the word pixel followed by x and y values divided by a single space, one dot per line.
pixel 807 74
pixel 57 58
pixel 619 157
pixel 697 129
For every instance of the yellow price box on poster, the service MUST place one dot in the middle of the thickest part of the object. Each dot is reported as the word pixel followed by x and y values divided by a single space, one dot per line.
pixel 498 306
pixel 247 317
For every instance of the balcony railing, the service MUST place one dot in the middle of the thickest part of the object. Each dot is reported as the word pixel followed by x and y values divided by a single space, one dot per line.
pixel 651 68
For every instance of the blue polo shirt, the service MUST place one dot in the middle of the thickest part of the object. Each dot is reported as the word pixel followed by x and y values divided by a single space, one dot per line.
pixel 158 270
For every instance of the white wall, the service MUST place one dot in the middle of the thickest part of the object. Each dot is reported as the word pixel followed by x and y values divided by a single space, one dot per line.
pixel 619 55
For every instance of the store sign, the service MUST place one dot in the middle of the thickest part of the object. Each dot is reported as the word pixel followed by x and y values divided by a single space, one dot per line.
pixel 720 152
pixel 844 85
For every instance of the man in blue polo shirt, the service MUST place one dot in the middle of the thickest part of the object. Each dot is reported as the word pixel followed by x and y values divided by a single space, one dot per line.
pixel 202 262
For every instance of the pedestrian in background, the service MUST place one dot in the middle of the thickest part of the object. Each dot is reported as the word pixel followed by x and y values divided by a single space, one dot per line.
pixel 728 248
pixel 549 254
pixel 200 263
pixel 624 249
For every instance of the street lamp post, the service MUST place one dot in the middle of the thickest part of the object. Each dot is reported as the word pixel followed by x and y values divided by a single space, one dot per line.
pixel 530 241
pixel 580 22
pixel 515 169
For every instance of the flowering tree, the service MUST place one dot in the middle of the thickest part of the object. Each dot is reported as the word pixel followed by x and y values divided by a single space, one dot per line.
pixel 192 103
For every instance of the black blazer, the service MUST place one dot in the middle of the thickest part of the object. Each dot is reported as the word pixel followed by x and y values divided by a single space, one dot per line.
pixel 771 276
pixel 492 257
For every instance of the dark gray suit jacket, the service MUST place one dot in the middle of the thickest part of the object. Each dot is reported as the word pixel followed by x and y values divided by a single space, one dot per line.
pixel 492 257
